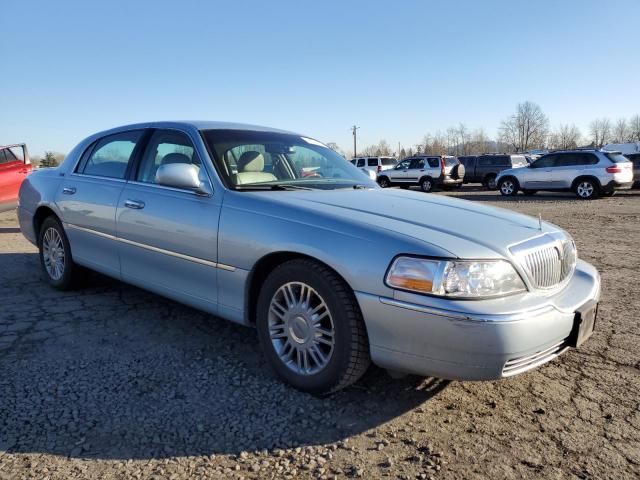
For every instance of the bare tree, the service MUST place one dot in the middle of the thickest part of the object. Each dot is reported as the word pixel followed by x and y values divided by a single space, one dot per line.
pixel 479 142
pixel 600 131
pixel 620 131
pixel 634 129
pixel 565 137
pixel 382 148
pixel 526 129
pixel 334 146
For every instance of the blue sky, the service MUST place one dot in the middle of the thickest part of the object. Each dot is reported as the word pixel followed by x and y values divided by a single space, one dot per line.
pixel 397 69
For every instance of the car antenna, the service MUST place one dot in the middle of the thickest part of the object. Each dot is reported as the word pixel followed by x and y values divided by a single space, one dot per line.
pixel 540 220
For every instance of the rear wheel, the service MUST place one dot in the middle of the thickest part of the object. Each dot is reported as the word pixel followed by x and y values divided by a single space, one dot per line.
pixel 508 186
pixel 55 256
pixel 490 182
pixel 426 184
pixel 384 182
pixel 586 189
pixel 311 329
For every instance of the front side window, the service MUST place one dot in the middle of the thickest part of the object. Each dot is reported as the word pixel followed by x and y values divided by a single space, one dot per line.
pixel 361 162
pixel 248 159
pixel 166 147
pixel 545 162
pixel 404 165
pixel 111 155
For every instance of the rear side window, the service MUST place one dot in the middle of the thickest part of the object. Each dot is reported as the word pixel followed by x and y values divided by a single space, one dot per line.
pixel 417 163
pixel 434 162
pixel 111 155
pixel 616 157
pixel 360 162
pixel 372 162
pixel 389 161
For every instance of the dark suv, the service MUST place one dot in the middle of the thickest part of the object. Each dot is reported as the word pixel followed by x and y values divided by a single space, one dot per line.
pixel 485 168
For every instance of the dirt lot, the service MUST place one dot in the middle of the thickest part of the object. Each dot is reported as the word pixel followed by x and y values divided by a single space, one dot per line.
pixel 113 382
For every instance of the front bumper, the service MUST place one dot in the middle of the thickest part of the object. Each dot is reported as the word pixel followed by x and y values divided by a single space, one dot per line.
pixel 469 345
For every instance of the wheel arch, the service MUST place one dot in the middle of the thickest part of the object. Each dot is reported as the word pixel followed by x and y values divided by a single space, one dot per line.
pixel 262 268
pixel 41 213
pixel 585 177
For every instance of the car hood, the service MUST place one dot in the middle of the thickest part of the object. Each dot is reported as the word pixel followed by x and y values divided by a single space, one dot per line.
pixel 463 228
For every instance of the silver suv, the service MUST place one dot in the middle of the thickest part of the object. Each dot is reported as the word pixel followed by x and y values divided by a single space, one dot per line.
pixel 425 172
pixel 588 173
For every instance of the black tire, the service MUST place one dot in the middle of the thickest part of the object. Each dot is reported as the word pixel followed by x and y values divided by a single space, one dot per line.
pixel 508 186
pixel 528 193
pixel 586 189
pixel 489 182
pixel 384 182
pixel 349 359
pixel 71 274
pixel 426 184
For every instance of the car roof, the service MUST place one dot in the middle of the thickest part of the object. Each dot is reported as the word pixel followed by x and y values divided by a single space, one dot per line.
pixel 199 125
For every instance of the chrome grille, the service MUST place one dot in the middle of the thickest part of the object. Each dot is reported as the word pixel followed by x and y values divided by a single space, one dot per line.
pixel 548 260
pixel 521 364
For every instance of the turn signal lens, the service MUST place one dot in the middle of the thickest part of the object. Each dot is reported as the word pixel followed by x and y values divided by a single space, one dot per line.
pixel 417 274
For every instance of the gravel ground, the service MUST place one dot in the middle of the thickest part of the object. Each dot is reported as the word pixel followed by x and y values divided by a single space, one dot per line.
pixel 113 382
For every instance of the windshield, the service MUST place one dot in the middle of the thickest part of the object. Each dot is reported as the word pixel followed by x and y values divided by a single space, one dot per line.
pixel 249 159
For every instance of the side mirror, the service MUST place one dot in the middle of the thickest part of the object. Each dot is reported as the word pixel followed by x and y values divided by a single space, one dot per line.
pixel 182 175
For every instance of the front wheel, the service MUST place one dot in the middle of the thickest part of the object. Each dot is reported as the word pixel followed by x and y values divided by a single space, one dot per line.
pixel 55 255
pixel 384 182
pixel 508 187
pixel 311 329
pixel 586 189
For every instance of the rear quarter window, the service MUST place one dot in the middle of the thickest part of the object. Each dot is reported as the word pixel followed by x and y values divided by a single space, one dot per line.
pixel 434 162
pixel 616 157
pixel 389 161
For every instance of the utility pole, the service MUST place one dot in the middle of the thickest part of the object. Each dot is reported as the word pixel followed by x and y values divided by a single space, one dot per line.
pixel 355 144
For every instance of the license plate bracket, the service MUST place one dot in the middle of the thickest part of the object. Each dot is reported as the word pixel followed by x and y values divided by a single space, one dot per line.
pixel 583 324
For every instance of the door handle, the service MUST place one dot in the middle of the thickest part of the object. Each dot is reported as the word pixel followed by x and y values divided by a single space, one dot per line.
pixel 69 190
pixel 135 204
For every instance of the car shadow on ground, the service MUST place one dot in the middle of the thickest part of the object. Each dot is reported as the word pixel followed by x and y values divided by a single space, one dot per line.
pixel 9 230
pixel 113 372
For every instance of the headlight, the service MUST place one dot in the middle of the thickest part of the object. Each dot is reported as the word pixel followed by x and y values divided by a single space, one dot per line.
pixel 454 278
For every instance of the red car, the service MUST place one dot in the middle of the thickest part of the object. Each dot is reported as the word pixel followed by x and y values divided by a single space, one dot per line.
pixel 14 167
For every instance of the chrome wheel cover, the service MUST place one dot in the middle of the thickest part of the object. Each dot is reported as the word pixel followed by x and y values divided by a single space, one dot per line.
pixel 507 187
pixel 53 253
pixel 585 189
pixel 301 328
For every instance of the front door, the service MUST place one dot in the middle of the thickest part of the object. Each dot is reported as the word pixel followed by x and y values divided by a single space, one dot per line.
pixel 168 237
pixel 399 172
pixel 87 199
pixel 539 175
pixel 12 171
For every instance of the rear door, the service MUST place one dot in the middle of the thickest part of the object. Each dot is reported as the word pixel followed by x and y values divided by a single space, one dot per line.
pixel 88 198
pixel 13 170
pixel 168 237
pixel 571 165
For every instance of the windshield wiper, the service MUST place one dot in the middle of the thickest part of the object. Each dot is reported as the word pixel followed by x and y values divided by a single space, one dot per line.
pixel 271 186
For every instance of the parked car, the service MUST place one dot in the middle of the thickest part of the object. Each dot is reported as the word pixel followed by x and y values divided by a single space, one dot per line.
pixel 14 167
pixel 217 216
pixel 589 173
pixel 630 150
pixel 427 172
pixel 485 168
pixel 375 164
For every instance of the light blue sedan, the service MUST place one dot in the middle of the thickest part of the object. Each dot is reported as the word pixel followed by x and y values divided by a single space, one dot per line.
pixel 274 230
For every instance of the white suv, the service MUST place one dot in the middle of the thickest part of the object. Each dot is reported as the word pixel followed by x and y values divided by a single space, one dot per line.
pixel 374 164
pixel 589 173
pixel 425 171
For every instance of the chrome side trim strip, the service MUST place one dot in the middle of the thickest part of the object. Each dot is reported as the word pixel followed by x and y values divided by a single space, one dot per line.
pixel 153 249
pixel 506 318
